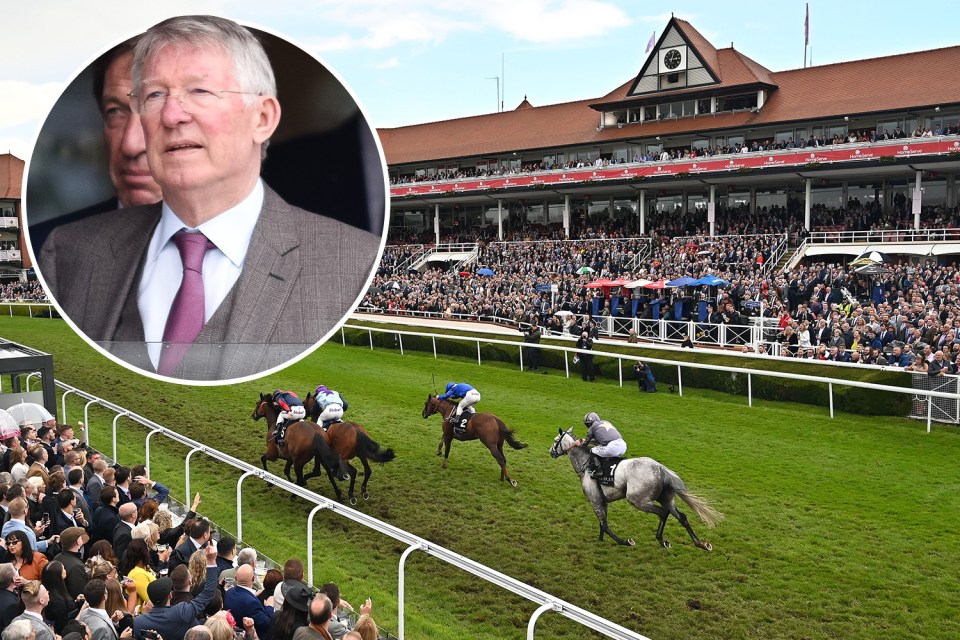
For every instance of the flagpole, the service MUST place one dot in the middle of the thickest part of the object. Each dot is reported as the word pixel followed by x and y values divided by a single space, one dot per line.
pixel 806 35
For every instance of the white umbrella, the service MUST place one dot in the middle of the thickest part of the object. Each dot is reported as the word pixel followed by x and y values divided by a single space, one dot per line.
pixel 638 283
pixel 8 426
pixel 29 412
pixel 563 313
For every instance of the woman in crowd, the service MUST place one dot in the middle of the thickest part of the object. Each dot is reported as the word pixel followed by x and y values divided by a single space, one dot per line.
pixel 104 550
pixel 136 566
pixel 118 606
pixel 149 532
pixel 271 579
pixel 18 464
pixel 197 566
pixel 28 563
pixel 61 607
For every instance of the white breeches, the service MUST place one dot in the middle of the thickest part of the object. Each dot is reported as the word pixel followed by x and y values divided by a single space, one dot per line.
pixel 295 413
pixel 472 398
pixel 332 412
pixel 613 449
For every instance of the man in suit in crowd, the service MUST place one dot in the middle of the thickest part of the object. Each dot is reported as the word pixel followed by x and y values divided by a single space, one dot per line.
pixel 123 530
pixel 199 539
pixel 107 515
pixel 242 602
pixel 195 287
pixel 173 621
pixel 95 483
pixel 123 138
pixel 95 616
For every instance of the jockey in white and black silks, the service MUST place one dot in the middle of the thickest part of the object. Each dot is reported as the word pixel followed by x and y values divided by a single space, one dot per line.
pixel 332 406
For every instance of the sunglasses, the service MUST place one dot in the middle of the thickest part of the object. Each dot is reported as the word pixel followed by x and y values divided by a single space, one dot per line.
pixel 12 541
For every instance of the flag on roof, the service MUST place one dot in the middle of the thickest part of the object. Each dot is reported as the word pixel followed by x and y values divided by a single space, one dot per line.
pixel 806 27
pixel 651 42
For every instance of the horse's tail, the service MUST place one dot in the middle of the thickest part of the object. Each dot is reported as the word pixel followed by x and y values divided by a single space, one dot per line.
pixel 327 456
pixel 367 448
pixel 509 437
pixel 701 507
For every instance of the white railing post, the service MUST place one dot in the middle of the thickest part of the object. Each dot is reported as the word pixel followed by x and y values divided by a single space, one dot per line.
pixel 546 606
pixel 310 541
pixel 343 336
pixel 86 421
pixel 566 362
pixel 400 340
pixel 370 333
pixel 186 472
pixel 521 356
pixel 29 377
pixel 478 352
pixel 929 412
pixel 115 418
pixel 749 390
pixel 434 339
pixel 240 502
pixel 620 370
pixel 680 380
pixel 146 451
pixel 63 404
pixel 401 584
pixel 830 393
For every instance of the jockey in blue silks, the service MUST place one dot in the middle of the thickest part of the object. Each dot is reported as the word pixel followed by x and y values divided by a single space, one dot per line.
pixel 291 409
pixel 466 394
pixel 332 405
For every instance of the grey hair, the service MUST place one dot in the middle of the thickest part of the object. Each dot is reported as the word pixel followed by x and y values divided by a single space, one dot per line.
pixel 7 574
pixel 251 65
pixel 19 630
pixel 247 555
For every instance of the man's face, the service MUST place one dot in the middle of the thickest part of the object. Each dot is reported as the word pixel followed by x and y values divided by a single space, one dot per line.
pixel 210 151
pixel 124 137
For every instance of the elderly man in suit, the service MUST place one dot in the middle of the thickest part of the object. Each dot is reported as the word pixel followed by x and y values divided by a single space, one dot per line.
pixel 196 286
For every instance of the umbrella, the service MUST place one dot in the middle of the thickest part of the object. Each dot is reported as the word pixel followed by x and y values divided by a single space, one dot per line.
pixel 705 252
pixel 685 281
pixel 485 272
pixel 875 257
pixel 712 281
pixel 8 425
pixel 584 270
pixel 563 313
pixel 692 245
pixel 374 290
pixel 464 273
pixel 29 412
pixel 659 284
pixel 636 284
pixel 393 284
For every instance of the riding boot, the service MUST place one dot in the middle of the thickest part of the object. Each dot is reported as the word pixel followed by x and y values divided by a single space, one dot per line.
pixel 593 466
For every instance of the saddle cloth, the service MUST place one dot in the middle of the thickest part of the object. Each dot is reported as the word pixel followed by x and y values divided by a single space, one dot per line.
pixel 460 424
pixel 608 467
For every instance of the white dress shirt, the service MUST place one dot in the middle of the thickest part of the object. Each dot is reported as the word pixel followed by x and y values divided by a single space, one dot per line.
pixel 231 232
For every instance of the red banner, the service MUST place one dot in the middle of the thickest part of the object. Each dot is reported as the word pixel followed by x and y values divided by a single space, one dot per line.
pixel 793 158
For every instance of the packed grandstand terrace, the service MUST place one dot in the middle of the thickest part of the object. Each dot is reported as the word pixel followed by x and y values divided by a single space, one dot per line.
pixel 820 309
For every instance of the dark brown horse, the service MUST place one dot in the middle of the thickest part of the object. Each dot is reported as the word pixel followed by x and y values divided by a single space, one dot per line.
pixel 350 440
pixel 304 441
pixel 485 427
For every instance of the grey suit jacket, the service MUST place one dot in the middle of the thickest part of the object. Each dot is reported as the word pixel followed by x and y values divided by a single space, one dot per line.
pixel 302 274
pixel 100 627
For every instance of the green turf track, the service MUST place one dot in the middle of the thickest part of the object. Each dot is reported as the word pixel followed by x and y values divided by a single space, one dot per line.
pixel 843 528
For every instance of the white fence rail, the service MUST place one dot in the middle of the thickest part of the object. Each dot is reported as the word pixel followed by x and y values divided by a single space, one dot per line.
pixel 928 394
pixel 545 601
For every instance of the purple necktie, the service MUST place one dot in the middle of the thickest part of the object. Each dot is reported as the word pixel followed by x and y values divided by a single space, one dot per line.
pixel 187 312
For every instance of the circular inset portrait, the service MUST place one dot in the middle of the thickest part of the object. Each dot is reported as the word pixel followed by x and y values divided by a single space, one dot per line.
pixel 206 201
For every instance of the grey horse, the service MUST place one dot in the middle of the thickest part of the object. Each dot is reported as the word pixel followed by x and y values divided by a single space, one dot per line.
pixel 642 481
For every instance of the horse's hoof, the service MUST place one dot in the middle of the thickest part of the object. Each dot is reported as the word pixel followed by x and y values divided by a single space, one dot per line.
pixel 439 453
pixel 366 496
pixel 513 482
pixel 665 544
pixel 444 465
pixel 353 501
pixel 706 546
pixel 631 542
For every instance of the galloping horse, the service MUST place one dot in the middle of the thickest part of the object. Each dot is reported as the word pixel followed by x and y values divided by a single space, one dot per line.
pixel 642 481
pixel 486 427
pixel 350 440
pixel 304 441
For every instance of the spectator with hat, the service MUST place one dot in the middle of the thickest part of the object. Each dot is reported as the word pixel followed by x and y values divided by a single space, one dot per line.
pixel 71 541
pixel 293 615
pixel 172 622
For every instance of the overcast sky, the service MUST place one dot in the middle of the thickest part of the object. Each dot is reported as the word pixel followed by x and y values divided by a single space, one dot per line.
pixel 412 61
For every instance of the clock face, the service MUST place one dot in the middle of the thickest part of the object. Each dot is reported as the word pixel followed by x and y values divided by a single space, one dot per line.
pixel 671 60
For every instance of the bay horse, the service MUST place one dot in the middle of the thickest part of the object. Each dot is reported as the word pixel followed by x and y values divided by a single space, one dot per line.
pixel 350 440
pixel 304 441
pixel 642 481
pixel 485 427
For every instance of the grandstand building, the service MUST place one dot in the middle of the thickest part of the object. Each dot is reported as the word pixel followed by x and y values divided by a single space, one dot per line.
pixel 699 130
pixel 12 260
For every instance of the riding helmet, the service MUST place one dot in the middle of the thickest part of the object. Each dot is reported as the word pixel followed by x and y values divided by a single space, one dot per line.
pixel 590 418
pixel 451 385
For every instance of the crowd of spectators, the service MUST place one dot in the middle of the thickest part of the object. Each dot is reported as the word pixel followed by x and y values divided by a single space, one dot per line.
pixel 91 551
pixel 676 153
pixel 29 291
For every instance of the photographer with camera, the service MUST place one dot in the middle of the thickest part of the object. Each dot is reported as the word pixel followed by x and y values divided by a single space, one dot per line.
pixel 531 335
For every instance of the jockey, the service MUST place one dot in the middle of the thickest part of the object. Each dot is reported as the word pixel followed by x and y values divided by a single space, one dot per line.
pixel 291 408
pixel 467 395
pixel 610 444
pixel 332 405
